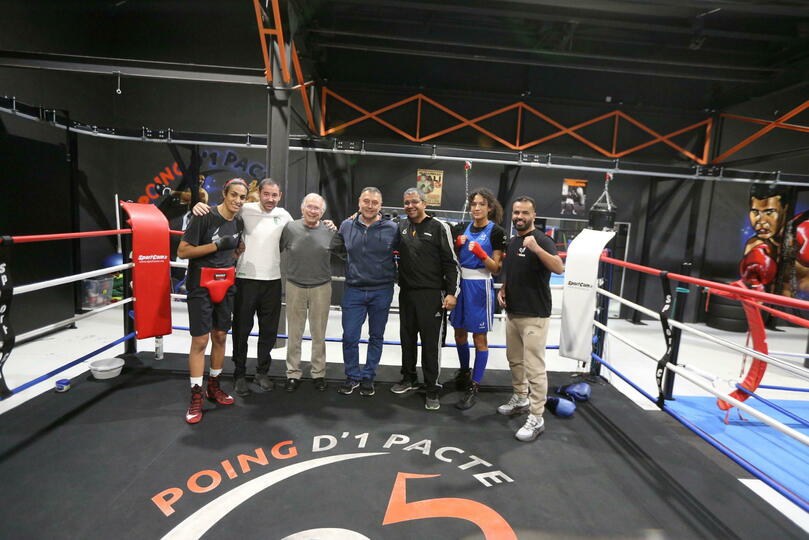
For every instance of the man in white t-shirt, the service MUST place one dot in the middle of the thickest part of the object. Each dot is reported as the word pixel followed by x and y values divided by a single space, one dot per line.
pixel 258 283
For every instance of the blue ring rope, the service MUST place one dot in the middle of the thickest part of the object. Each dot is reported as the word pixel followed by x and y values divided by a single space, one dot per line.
pixel 71 364
pixel 773 405
pixel 791 389
pixel 741 462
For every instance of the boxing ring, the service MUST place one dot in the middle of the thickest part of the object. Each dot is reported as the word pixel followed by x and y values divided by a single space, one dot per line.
pixel 114 457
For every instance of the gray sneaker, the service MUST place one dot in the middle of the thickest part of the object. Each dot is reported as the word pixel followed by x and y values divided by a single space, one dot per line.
pixel 515 405
pixel 432 403
pixel 348 386
pixel 406 385
pixel 533 428
pixel 264 381
pixel 241 388
pixel 367 387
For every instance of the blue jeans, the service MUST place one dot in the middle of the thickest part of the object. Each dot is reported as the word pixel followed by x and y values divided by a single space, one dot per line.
pixel 357 304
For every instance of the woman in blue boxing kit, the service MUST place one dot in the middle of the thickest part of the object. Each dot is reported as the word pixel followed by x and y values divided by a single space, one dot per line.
pixel 480 246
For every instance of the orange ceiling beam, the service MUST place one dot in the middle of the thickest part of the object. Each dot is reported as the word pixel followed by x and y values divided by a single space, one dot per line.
pixel 769 126
pixel 278 34
pixel 521 109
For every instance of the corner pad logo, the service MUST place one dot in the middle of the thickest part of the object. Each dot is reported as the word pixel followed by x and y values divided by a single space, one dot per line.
pixel 393 504
pixel 152 258
pixel 579 284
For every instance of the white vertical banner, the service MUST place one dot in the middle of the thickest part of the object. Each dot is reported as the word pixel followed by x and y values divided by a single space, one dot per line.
pixel 579 295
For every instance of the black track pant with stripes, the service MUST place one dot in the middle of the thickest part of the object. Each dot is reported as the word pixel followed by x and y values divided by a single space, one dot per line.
pixel 421 314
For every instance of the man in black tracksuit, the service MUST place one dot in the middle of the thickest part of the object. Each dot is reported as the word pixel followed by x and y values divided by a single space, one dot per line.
pixel 429 281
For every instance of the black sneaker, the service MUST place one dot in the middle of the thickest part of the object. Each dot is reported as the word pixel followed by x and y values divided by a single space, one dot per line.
pixel 470 397
pixel 406 385
pixel 348 387
pixel 320 384
pixel 263 381
pixel 462 379
pixel 367 388
pixel 241 388
pixel 431 403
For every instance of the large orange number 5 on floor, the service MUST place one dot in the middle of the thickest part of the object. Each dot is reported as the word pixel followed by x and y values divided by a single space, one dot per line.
pixel 492 524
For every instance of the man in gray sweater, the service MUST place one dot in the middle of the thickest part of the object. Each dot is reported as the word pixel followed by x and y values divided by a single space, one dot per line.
pixel 305 243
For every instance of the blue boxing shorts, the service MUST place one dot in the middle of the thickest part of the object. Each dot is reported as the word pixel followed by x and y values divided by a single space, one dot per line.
pixel 474 311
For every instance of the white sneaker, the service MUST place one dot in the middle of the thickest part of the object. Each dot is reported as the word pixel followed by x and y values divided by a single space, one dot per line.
pixel 515 405
pixel 533 428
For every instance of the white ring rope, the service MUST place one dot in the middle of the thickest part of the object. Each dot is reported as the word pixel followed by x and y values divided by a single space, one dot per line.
pixel 794 355
pixel 706 375
pixel 795 370
pixel 798 436
pixel 70 279
pixel 56 325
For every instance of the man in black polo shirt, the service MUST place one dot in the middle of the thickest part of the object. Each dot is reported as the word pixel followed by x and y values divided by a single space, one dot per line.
pixel 429 282
pixel 526 296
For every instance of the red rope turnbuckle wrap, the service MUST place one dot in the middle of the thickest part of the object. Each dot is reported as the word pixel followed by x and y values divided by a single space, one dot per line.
pixel 61 236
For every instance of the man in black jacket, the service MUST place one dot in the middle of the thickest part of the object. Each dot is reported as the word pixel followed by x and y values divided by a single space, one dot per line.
pixel 429 281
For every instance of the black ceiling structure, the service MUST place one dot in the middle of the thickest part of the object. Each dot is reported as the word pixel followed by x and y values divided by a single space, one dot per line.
pixel 682 59
pixel 678 54
pixel 673 54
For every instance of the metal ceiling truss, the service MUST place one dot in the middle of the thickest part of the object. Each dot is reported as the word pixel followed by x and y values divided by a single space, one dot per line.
pixel 515 144
pixel 273 39
pixel 300 143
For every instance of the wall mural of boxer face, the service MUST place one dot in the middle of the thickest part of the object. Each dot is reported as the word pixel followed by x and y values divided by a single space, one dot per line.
pixel 767 217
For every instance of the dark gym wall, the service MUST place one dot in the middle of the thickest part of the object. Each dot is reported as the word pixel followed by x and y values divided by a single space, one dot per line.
pixel 35 199
pixel 107 167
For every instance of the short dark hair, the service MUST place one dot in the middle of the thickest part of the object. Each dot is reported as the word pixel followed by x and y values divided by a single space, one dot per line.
pixel 268 182
pixel 525 198
pixel 764 191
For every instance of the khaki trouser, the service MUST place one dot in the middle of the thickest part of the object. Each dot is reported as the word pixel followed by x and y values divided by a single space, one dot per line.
pixel 525 350
pixel 301 301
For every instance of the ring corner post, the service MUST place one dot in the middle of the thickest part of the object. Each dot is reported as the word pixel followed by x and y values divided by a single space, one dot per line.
pixel 680 298
pixel 131 344
pixel 602 316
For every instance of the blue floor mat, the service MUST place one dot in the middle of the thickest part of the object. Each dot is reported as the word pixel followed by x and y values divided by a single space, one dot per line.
pixel 780 457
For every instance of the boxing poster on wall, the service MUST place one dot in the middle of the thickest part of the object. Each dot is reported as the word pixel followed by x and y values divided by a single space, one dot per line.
pixel 574 196
pixel 776 245
pixel 430 182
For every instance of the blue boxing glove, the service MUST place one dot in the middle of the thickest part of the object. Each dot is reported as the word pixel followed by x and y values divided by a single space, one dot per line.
pixel 579 391
pixel 561 407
